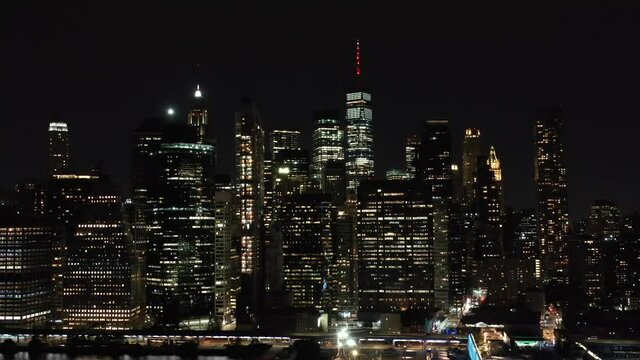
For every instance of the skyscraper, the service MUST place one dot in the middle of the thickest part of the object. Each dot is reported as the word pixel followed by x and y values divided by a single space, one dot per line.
pixel 551 182
pixel 58 148
pixel 198 116
pixel 306 248
pixel 327 143
pixel 490 206
pixel 411 155
pixel 471 149
pixel 102 282
pixel 434 167
pixel 395 247
pixel 180 264
pixel 359 118
pixel 227 258
pixel 25 271
pixel 249 144
pixel 604 221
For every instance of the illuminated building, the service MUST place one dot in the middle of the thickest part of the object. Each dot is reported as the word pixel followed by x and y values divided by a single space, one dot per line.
pixel 334 180
pixel 102 283
pixel 227 259
pixel 457 190
pixel 327 143
pixel 490 206
pixel 30 197
pixel 627 261
pixel 342 267
pixel 284 140
pixel 67 193
pixel 604 221
pixel 411 155
pixel 25 271
pixel 434 167
pixel 458 253
pixel 58 148
pixel 551 182
pixel 471 149
pixel 587 270
pixel 249 144
pixel 180 255
pixel 359 118
pixel 395 246
pixel 525 244
pixel 291 176
pixel 306 248
pixel 145 185
pixel 198 116
pixel 397 174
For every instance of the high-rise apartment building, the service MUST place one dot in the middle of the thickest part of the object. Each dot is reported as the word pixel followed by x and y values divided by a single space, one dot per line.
pixel 249 154
pixel 551 182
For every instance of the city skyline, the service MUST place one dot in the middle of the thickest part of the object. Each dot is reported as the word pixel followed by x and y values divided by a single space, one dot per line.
pixel 458 94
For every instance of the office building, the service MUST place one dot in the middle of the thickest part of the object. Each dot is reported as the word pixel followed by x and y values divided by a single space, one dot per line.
pixel 359 118
pixel 102 283
pixel 395 246
pixel 307 248
pixel 59 153
pixel 25 270
pixel 411 155
pixel 328 140
pixel 180 255
pixel 434 167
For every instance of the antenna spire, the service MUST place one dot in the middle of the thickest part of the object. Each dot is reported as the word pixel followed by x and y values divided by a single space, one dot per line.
pixel 358 70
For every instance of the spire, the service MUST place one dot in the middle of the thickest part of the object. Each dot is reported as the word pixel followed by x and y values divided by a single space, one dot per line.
pixel 198 93
pixel 358 70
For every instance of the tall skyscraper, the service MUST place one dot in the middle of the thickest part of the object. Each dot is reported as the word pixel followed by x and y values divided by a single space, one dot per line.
pixel 411 155
pixel 434 167
pixel 180 263
pixel 343 268
pixel 102 282
pixel 395 247
pixel 249 143
pixel 359 118
pixel 306 248
pixel 490 206
pixel 551 182
pixel 227 257
pixel 328 141
pixel 471 149
pixel 58 148
pixel 198 116
pixel 25 271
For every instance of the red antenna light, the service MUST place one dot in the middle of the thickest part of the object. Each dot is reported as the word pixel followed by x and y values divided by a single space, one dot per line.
pixel 358 71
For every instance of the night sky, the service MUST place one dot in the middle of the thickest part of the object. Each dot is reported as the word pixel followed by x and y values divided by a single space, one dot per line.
pixel 104 68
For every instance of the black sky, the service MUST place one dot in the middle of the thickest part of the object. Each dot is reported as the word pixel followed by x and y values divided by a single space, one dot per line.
pixel 105 66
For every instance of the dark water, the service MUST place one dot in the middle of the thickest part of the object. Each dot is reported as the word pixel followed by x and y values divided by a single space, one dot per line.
pixel 25 356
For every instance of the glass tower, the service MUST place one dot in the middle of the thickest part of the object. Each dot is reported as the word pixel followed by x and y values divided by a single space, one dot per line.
pixel 58 148
pixel 327 143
